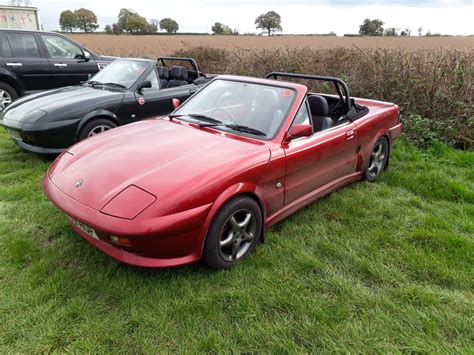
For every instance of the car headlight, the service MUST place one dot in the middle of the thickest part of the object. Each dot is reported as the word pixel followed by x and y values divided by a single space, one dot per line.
pixel 34 116
pixel 129 203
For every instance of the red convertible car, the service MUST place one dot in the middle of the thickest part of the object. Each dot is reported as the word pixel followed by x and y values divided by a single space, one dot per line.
pixel 231 161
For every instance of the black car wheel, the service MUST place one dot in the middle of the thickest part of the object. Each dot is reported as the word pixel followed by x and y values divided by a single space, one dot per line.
pixel 377 160
pixel 234 233
pixel 95 127
pixel 7 95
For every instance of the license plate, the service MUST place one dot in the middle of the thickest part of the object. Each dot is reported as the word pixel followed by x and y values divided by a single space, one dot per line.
pixel 85 228
pixel 14 134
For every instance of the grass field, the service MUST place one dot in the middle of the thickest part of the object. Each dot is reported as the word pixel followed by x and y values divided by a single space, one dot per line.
pixel 125 45
pixel 380 267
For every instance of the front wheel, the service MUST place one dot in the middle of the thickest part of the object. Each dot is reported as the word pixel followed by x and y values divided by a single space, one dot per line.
pixel 377 160
pixel 95 127
pixel 233 234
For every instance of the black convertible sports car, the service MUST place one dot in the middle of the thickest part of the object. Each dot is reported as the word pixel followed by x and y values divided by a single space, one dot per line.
pixel 127 90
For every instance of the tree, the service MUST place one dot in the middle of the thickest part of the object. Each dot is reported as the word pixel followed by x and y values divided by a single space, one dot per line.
pixel 169 25
pixel 371 27
pixel 137 24
pixel 153 26
pixel 406 32
pixel 270 22
pixel 86 20
pixel 221 29
pixel 108 29
pixel 67 20
pixel 123 17
pixel 116 29
pixel 420 31
pixel 391 32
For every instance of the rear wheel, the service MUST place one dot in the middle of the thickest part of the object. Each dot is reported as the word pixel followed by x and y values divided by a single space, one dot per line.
pixel 7 95
pixel 95 127
pixel 377 160
pixel 233 234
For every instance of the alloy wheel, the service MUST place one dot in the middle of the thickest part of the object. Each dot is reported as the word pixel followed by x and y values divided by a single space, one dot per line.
pixel 237 235
pixel 98 129
pixel 377 159
pixel 5 99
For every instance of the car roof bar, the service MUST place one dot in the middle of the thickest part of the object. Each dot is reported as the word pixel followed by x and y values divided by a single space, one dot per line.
pixel 182 59
pixel 338 83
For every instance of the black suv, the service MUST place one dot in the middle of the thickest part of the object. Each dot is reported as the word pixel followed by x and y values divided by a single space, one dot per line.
pixel 32 61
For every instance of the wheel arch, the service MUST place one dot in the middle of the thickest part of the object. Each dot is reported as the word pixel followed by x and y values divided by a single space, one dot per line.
pixel 13 82
pixel 248 189
pixel 94 115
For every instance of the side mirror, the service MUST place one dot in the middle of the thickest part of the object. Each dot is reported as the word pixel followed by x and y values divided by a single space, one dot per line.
pixel 299 130
pixel 176 103
pixel 146 84
pixel 87 56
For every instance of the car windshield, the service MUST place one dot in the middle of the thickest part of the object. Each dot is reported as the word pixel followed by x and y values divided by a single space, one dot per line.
pixel 120 72
pixel 241 107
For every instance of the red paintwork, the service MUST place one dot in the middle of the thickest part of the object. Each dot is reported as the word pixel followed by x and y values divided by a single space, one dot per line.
pixel 160 183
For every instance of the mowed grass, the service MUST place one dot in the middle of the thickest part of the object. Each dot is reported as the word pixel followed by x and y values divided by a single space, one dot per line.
pixel 374 267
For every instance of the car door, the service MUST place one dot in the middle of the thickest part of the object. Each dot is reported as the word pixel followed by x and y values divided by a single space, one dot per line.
pixel 156 101
pixel 317 162
pixel 29 62
pixel 67 61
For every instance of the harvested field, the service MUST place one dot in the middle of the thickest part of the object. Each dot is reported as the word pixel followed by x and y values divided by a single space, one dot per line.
pixel 162 45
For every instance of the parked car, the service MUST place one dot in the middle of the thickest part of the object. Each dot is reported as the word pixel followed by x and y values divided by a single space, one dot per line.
pixel 206 181
pixel 127 90
pixel 33 60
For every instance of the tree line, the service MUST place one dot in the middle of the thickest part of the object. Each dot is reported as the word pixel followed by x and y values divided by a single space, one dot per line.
pixel 130 21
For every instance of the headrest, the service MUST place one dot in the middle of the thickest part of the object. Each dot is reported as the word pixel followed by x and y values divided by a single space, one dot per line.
pixel 268 98
pixel 318 105
pixel 179 73
pixel 163 72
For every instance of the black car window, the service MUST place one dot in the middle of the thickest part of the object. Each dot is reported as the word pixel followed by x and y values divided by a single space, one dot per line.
pixel 153 79
pixel 5 49
pixel 24 45
pixel 60 48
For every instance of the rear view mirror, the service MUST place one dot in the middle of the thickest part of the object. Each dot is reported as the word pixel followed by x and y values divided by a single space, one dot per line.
pixel 176 103
pixel 145 84
pixel 87 56
pixel 301 130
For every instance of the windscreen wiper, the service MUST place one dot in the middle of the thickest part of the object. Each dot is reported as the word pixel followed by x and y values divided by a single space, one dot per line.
pixel 199 117
pixel 238 128
pixel 114 84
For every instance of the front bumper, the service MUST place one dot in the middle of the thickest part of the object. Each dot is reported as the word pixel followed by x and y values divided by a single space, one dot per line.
pixel 51 138
pixel 156 242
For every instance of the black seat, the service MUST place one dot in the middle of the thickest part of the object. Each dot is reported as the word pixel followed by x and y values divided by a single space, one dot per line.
pixel 179 76
pixel 320 113
pixel 164 75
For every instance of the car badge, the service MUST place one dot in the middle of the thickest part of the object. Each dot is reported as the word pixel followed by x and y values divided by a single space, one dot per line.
pixel 141 101
pixel 78 183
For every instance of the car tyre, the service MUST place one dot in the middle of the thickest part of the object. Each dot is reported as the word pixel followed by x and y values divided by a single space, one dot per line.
pixel 234 233
pixel 7 95
pixel 96 126
pixel 377 161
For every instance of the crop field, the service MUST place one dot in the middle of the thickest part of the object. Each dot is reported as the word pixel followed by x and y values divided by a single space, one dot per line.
pixel 165 45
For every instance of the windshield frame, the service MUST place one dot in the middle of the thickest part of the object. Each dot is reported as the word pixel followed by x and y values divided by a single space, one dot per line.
pixel 280 85
pixel 134 85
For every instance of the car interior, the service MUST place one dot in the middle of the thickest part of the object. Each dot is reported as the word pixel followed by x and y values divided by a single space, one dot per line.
pixel 175 76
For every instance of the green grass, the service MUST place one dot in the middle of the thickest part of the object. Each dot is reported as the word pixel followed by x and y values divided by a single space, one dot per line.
pixel 380 267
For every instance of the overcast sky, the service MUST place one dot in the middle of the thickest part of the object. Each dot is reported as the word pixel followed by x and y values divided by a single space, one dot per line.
pixel 298 16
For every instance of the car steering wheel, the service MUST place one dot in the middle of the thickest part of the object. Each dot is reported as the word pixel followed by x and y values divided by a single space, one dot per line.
pixel 227 113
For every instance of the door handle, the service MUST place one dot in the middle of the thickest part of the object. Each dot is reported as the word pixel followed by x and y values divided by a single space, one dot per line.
pixel 350 134
pixel 60 65
pixel 14 64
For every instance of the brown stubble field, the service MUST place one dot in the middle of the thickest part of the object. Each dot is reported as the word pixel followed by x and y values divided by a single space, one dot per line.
pixel 125 45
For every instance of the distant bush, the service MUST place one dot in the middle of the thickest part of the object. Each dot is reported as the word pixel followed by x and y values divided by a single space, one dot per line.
pixel 434 88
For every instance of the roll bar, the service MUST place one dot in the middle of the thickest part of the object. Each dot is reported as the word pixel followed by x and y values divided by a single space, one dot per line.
pixel 341 87
pixel 181 59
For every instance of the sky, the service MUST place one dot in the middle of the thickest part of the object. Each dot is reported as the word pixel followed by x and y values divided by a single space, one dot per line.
pixel 455 17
